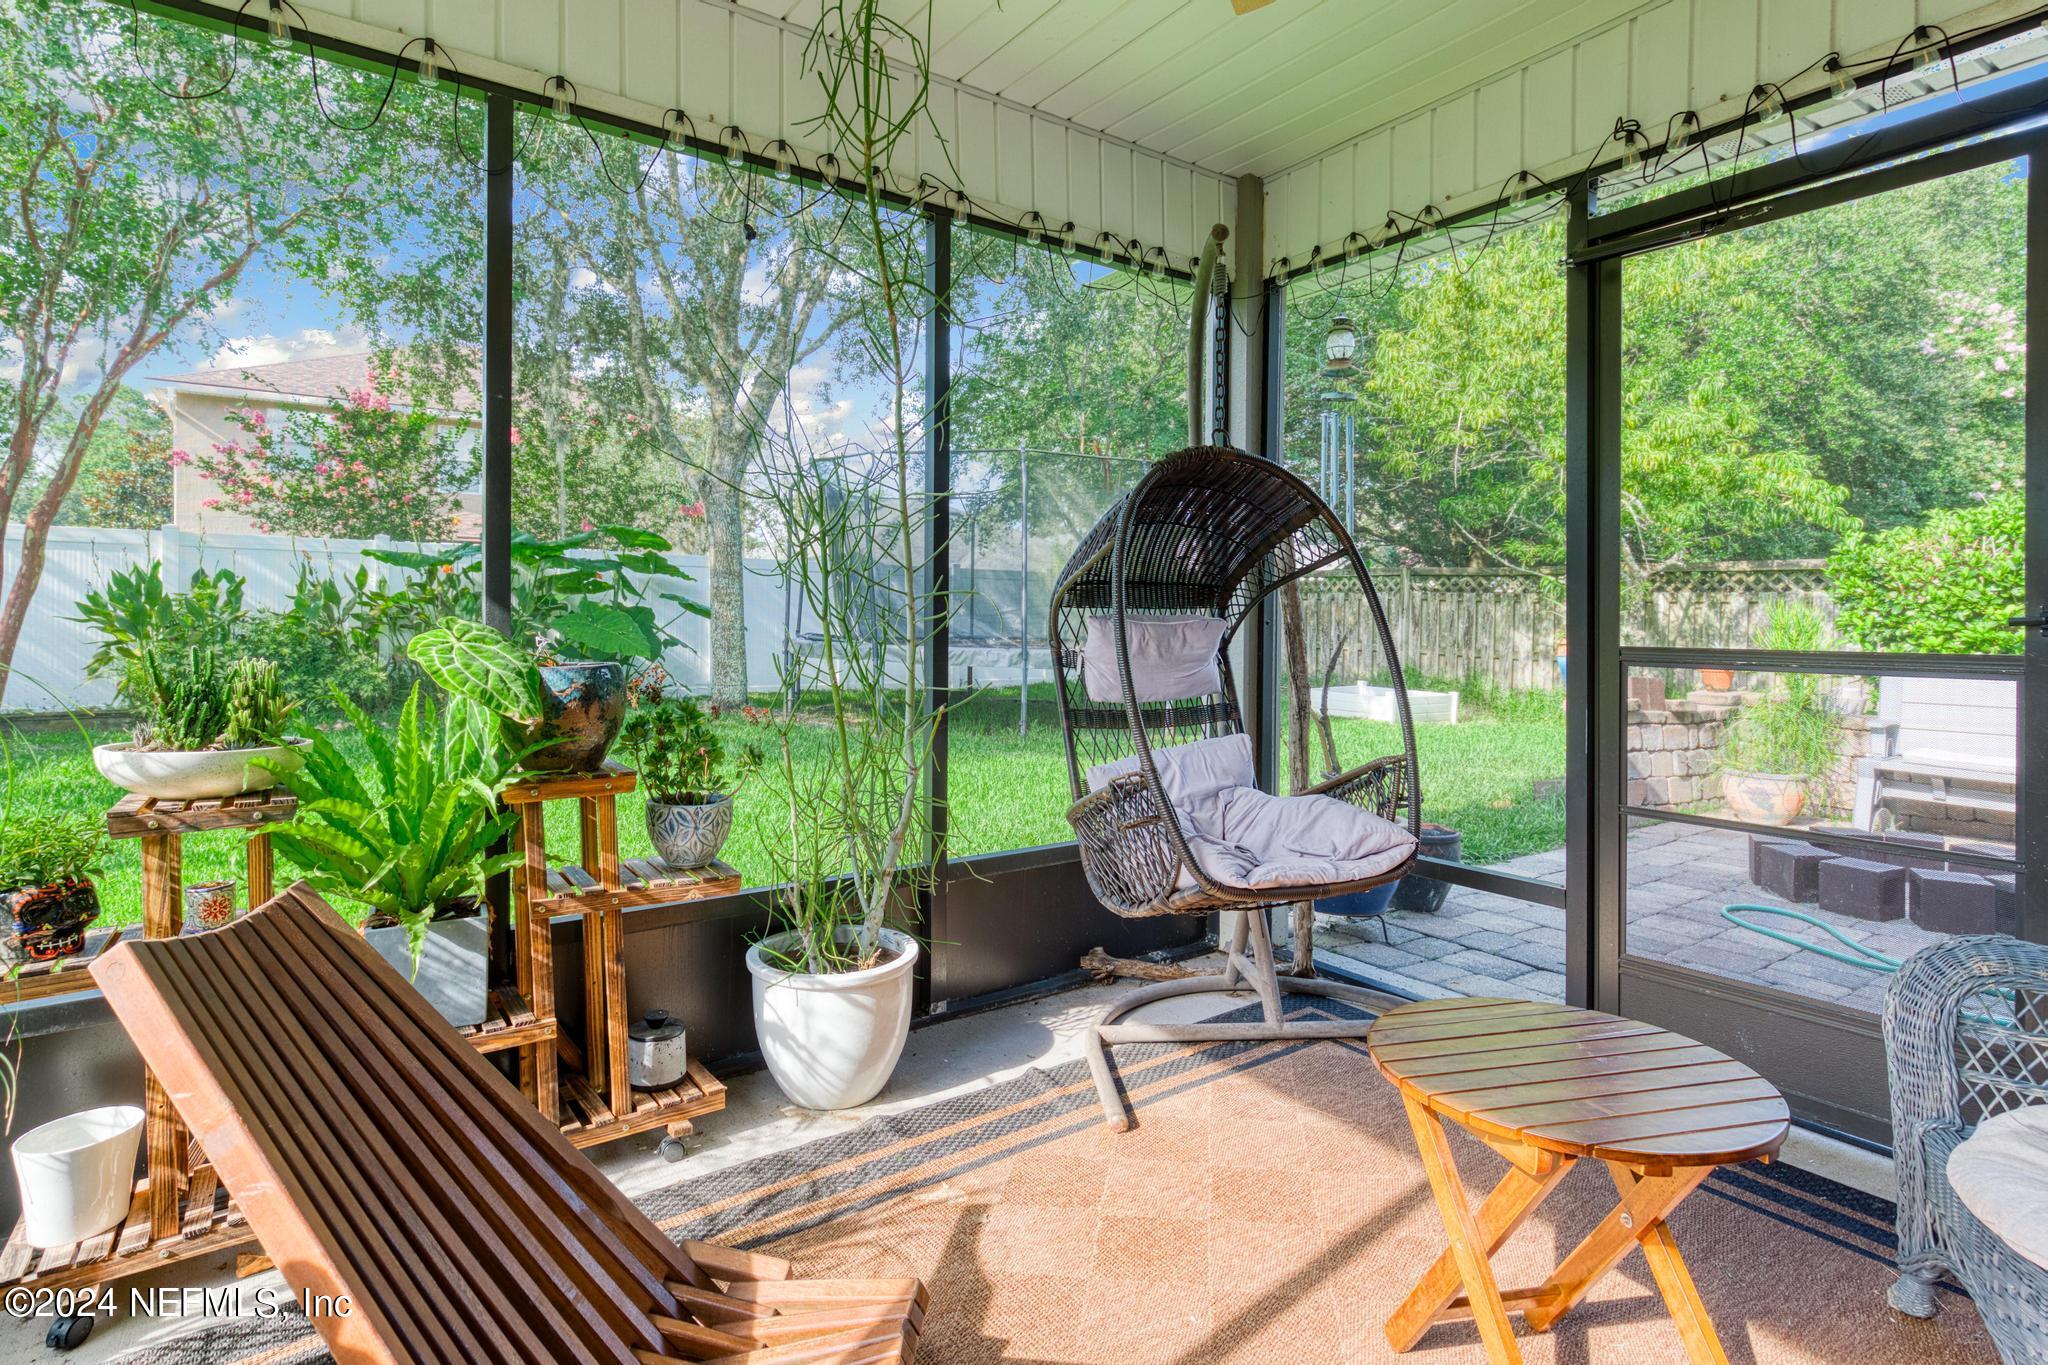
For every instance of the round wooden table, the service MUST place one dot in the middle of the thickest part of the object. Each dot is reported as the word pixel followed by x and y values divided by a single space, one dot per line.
pixel 1547 1086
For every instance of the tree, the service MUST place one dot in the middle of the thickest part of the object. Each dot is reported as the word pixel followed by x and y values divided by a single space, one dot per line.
pixel 132 215
pixel 682 303
pixel 361 468
pixel 125 478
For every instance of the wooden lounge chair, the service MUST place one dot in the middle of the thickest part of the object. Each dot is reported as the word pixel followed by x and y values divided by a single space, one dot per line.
pixel 420 1208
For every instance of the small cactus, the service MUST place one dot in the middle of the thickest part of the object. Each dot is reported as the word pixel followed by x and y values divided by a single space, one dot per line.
pixel 257 709
pixel 185 705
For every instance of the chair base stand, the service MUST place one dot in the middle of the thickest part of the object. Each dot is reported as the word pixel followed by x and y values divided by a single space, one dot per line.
pixel 1255 975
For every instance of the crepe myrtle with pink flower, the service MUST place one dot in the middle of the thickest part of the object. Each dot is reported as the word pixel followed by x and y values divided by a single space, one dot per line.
pixel 371 463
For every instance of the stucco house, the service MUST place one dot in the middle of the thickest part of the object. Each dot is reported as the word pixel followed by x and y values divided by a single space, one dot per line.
pixel 199 403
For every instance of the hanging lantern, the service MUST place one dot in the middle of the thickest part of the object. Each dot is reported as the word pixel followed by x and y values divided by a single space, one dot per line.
pixel 1341 344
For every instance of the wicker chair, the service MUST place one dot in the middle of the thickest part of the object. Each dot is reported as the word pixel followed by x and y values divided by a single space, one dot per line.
pixel 1966 1037
pixel 1211 531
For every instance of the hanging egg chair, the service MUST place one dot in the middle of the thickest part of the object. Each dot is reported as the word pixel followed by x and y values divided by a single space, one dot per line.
pixel 1167 808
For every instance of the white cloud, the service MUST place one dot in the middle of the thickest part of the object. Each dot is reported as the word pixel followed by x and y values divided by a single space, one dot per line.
pixel 308 343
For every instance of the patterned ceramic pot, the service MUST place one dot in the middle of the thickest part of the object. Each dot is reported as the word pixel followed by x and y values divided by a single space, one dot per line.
pixel 209 905
pixel 582 706
pixel 689 835
pixel 1763 798
pixel 47 922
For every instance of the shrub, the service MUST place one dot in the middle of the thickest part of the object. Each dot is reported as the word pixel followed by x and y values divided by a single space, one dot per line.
pixel 680 757
pixel 45 849
pixel 1943 586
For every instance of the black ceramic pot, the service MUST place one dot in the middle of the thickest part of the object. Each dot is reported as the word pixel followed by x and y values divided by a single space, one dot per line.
pixel 47 922
pixel 582 706
pixel 1425 895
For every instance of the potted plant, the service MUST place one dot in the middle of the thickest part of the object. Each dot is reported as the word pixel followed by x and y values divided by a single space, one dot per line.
pixel 207 730
pixel 1783 746
pixel 681 761
pixel 1718 679
pixel 832 987
pixel 409 836
pixel 563 716
pixel 47 863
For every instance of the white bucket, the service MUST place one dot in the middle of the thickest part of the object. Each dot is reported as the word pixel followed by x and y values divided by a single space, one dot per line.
pixel 77 1174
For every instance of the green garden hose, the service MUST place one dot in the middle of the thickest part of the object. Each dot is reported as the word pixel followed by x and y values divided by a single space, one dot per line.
pixel 1857 956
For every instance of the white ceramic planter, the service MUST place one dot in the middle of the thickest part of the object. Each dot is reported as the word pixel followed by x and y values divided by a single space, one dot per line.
pixel 191 774
pixel 77 1174
pixel 831 1041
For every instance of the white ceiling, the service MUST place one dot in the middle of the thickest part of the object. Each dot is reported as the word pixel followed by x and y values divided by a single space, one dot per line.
pixel 1234 94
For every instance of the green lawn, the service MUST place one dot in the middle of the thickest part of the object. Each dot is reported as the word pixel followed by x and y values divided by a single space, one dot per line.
pixel 1006 790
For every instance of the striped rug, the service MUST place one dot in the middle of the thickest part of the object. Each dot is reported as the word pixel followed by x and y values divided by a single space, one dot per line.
pixel 1267 1207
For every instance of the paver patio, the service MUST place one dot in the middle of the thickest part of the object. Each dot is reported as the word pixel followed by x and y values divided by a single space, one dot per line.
pixel 1679 877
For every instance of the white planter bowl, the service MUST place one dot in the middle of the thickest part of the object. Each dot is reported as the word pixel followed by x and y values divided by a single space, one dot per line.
pixel 191 774
pixel 77 1174
pixel 832 1040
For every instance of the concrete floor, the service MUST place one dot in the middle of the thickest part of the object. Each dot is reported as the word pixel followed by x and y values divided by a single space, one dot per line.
pixel 942 1059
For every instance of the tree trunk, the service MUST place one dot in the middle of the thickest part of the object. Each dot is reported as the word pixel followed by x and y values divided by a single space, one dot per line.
pixel 725 518
pixel 1298 722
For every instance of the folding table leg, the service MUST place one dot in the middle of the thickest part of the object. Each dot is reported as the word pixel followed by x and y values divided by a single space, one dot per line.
pixel 1506 1209
pixel 1642 1209
pixel 1681 1295
pixel 1468 1241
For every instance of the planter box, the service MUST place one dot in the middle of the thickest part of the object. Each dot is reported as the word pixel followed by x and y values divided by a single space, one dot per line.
pixel 1368 702
pixel 454 971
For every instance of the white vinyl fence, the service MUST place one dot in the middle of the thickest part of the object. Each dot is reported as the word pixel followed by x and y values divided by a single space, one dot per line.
pixel 49 662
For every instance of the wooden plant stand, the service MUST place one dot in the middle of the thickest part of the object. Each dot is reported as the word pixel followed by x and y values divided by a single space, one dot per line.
pixel 179 1210
pixel 593 1101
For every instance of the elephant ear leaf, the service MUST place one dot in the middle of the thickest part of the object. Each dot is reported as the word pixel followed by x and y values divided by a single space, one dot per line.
pixel 470 660
pixel 609 632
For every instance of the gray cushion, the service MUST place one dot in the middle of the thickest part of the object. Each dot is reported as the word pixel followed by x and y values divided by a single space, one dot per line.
pixel 1243 837
pixel 2000 1173
pixel 1173 658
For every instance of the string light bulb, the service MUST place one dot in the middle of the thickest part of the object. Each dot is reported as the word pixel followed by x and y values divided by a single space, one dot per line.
pixel 1519 194
pixel 1631 154
pixel 678 130
pixel 1067 238
pixel 1682 132
pixel 782 152
pixel 559 104
pixel 735 148
pixel 280 25
pixel 960 207
pixel 1377 238
pixel 1767 103
pixel 1034 228
pixel 1841 81
pixel 828 170
pixel 1927 61
pixel 430 64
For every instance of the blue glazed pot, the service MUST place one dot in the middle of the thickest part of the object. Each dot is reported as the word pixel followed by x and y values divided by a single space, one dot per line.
pixel 1370 902
pixel 582 706
pixel 689 835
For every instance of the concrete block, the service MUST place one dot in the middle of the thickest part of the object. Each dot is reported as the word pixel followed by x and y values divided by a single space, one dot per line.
pixel 1953 902
pixel 2005 886
pixel 1790 871
pixel 1863 889
pixel 1757 843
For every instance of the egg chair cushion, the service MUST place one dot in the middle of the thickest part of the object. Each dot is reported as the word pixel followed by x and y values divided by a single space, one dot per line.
pixel 1243 837
pixel 1173 658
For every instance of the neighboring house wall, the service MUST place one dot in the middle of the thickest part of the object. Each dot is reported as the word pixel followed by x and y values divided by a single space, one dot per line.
pixel 199 422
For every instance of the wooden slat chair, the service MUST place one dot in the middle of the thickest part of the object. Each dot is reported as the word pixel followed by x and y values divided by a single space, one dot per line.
pixel 415 1201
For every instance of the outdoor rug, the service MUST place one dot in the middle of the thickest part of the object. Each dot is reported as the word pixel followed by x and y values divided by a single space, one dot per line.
pixel 1267 1207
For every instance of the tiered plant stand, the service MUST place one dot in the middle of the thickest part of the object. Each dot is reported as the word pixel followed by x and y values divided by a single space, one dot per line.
pixel 179 1210
pixel 586 1089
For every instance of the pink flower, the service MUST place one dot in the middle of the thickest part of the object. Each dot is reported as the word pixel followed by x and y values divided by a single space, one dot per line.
pixel 360 467
pixel 694 511
pixel 209 502
pixel 516 438
pixel 180 458
pixel 586 526
pixel 320 467
pixel 245 497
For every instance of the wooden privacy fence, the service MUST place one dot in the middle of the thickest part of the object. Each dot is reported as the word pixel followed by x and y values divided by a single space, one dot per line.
pixel 1502 626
